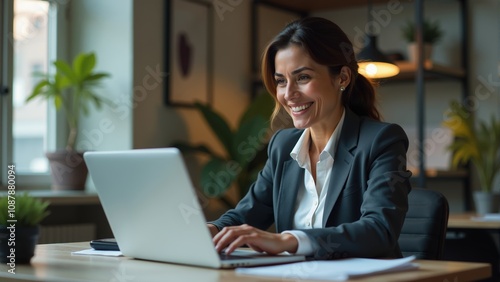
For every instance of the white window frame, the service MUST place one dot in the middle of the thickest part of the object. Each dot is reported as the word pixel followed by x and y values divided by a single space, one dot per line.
pixel 56 125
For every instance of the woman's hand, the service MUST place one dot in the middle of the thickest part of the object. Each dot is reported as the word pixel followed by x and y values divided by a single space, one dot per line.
pixel 213 229
pixel 233 237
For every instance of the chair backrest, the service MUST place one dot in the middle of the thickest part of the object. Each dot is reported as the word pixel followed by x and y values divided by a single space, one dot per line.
pixel 424 230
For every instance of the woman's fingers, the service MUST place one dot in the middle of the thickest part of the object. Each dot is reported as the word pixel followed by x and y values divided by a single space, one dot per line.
pixel 240 241
pixel 229 234
pixel 231 238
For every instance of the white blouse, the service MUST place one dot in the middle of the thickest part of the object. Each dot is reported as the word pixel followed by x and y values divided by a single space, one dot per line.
pixel 311 196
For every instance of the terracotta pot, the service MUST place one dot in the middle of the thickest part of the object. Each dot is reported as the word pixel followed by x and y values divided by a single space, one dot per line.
pixel 17 243
pixel 413 52
pixel 68 170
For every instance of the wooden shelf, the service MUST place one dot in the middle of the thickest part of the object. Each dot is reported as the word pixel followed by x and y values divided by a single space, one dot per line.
pixel 317 5
pixel 407 70
pixel 436 173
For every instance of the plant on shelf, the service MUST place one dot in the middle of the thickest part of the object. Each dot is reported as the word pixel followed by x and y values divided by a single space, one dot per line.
pixel 432 33
pixel 72 89
pixel 479 145
pixel 20 216
pixel 244 147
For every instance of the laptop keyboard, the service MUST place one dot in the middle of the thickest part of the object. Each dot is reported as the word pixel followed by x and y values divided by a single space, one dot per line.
pixel 233 257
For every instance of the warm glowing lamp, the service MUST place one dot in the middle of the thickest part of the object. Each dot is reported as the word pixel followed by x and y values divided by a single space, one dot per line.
pixel 373 63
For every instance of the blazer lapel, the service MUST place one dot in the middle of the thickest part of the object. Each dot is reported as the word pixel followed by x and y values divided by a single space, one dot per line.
pixel 291 178
pixel 343 159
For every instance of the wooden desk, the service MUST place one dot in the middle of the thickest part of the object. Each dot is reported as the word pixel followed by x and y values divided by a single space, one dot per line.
pixel 464 221
pixel 54 262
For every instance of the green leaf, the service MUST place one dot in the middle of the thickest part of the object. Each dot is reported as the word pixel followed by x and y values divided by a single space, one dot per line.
pixel 29 211
pixel 262 105
pixel 432 31
pixel 58 102
pixel 249 139
pixel 84 64
pixel 218 125
pixel 64 70
pixel 97 101
pixel 61 82
pixel 38 90
pixel 479 145
pixel 96 76
pixel 217 176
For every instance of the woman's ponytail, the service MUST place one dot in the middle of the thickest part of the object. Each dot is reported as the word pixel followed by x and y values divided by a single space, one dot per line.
pixel 359 97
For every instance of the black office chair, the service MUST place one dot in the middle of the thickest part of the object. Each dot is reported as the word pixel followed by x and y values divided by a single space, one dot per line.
pixel 424 230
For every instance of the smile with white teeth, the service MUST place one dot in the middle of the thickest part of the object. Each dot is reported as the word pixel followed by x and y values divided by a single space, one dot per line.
pixel 300 108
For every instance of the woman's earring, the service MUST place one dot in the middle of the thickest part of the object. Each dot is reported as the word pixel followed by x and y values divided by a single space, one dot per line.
pixel 342 88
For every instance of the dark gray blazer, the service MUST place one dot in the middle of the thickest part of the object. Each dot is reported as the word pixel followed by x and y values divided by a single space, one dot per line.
pixel 366 202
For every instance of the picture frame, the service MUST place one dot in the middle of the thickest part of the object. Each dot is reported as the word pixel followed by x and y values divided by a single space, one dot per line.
pixel 188 52
pixel 268 20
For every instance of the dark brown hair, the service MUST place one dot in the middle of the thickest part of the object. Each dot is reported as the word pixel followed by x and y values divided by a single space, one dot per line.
pixel 327 45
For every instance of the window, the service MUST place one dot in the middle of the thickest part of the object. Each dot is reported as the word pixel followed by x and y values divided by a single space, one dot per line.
pixel 28 130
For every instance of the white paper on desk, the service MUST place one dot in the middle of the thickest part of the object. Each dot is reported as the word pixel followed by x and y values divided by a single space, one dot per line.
pixel 331 270
pixel 93 252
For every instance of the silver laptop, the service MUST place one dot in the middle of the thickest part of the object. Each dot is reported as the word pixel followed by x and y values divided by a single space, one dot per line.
pixel 154 212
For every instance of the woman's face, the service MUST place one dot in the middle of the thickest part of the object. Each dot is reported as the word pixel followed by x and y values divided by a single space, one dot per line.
pixel 307 90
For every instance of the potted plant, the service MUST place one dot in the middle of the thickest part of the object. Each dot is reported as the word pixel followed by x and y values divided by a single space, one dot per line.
pixel 20 216
pixel 481 146
pixel 72 89
pixel 245 149
pixel 432 33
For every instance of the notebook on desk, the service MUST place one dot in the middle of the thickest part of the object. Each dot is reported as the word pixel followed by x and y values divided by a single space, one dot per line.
pixel 154 213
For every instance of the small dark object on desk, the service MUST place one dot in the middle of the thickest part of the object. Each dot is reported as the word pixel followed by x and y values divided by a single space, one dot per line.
pixel 107 244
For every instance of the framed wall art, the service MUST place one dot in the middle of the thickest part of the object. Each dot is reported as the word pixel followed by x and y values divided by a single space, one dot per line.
pixel 188 52
pixel 267 21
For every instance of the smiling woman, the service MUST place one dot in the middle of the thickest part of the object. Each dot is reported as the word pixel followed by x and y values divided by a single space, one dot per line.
pixel 296 73
pixel 336 185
